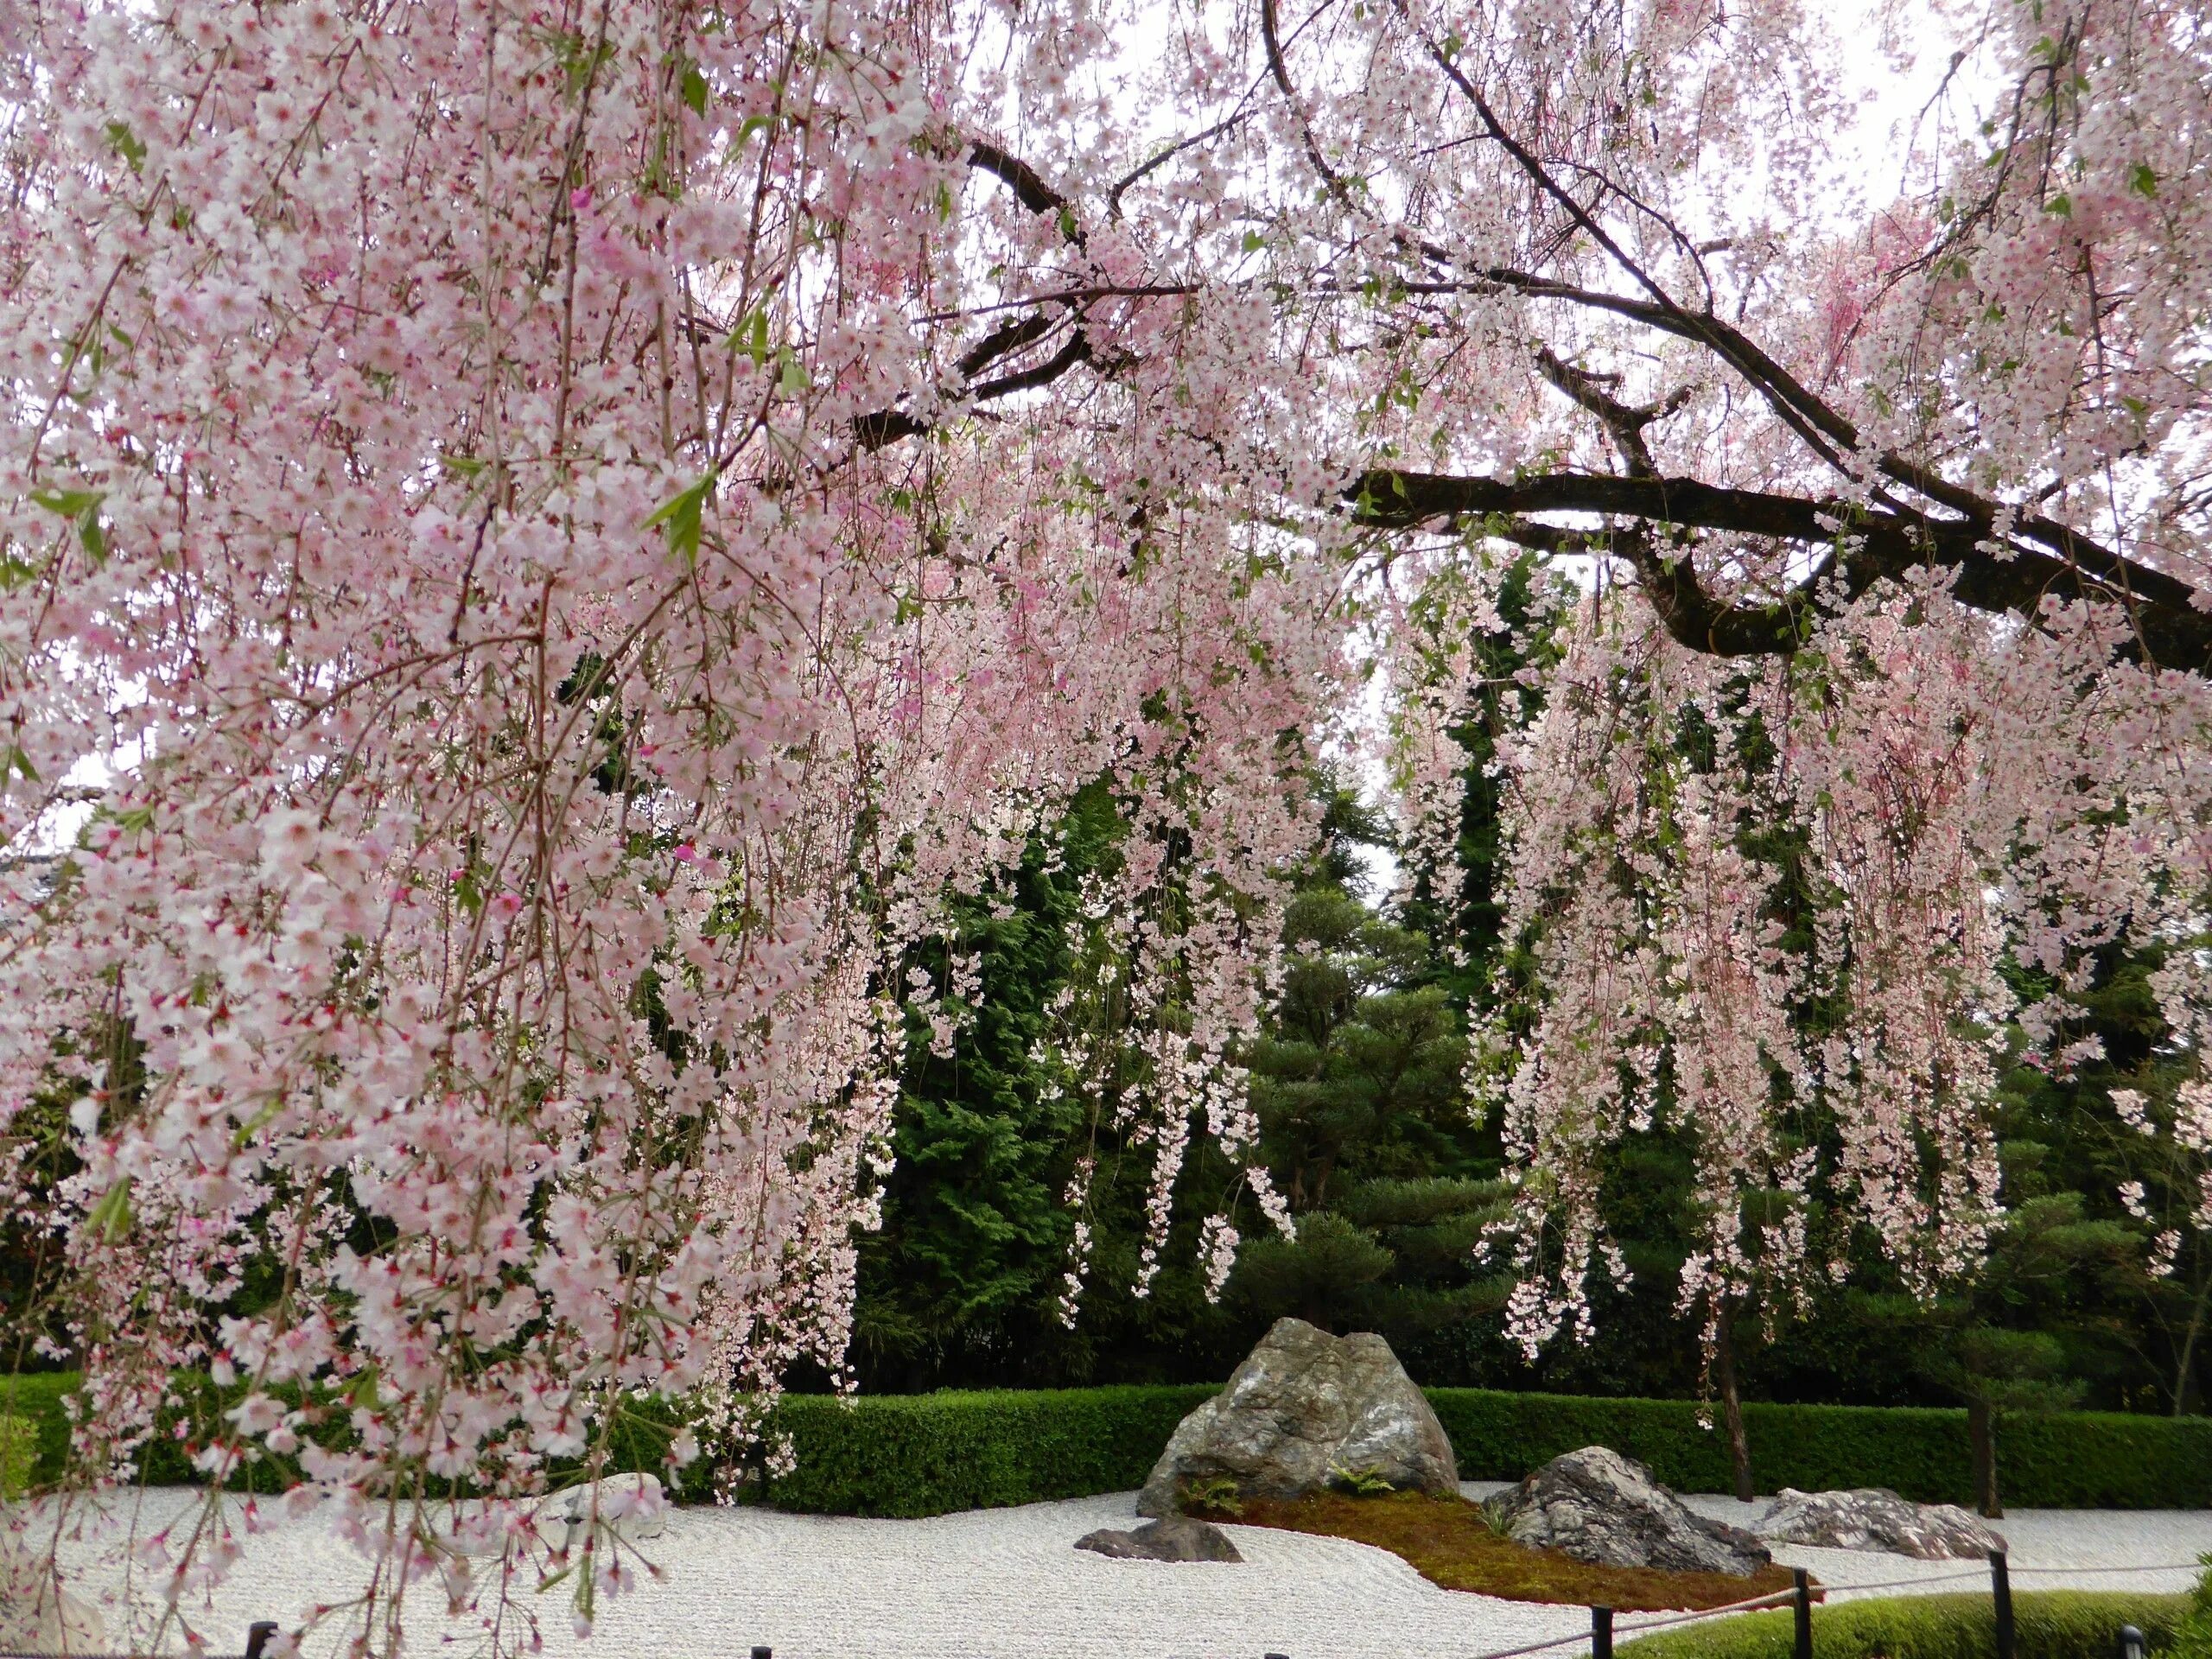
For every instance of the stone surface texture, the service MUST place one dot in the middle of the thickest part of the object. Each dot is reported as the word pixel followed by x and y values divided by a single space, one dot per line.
pixel 1874 1518
pixel 1303 1404
pixel 1171 1538
pixel 1603 1508
pixel 988 1583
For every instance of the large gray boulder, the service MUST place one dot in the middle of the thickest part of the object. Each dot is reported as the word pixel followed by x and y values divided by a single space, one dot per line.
pixel 1874 1518
pixel 1171 1538
pixel 1605 1509
pixel 1303 1404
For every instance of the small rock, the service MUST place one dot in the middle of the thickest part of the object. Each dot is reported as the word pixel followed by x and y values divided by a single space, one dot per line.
pixel 1874 1518
pixel 1600 1507
pixel 1302 1405
pixel 1172 1538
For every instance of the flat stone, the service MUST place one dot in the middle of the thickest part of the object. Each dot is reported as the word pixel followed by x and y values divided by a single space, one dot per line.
pixel 1304 1406
pixel 1600 1507
pixel 1874 1518
pixel 1172 1538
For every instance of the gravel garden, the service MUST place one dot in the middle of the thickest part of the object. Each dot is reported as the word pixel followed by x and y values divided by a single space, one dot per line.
pixel 1313 1507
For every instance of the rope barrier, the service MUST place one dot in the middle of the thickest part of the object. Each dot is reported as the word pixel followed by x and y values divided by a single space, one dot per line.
pixel 1539 1646
pixel 1901 1584
pixel 1777 1598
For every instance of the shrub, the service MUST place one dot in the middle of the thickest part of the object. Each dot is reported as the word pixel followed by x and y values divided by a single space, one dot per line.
pixel 929 1453
pixel 18 1455
pixel 38 1399
pixel 2193 1638
pixel 2076 1459
pixel 2049 1624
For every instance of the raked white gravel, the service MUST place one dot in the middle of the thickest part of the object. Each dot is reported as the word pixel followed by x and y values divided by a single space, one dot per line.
pixel 1006 1584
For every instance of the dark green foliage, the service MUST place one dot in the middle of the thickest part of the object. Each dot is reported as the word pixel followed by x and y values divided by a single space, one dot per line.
pixel 2193 1637
pixel 2064 1460
pixel 927 1454
pixel 1359 1077
pixel 2048 1623
pixel 38 1396
pixel 974 1226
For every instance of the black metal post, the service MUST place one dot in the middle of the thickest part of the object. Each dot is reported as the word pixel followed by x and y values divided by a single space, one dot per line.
pixel 1601 1633
pixel 2000 1592
pixel 1804 1607
pixel 256 1637
pixel 2131 1644
pixel 762 1653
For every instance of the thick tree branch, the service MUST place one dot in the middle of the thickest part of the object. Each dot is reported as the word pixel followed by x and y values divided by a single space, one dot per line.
pixel 1860 544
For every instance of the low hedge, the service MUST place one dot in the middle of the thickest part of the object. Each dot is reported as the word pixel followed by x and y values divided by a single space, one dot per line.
pixel 2077 1459
pixel 926 1454
pixel 18 1455
pixel 929 1453
pixel 38 1397
pixel 2048 1624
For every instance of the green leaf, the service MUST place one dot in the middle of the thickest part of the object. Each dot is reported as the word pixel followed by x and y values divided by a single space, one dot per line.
pixel 464 465
pixel 794 378
pixel 2063 205
pixel 2143 181
pixel 81 507
pixel 694 88
pixel 127 144
pixel 111 1216
pixel 680 514
pixel 69 504
pixel 751 125
pixel 1067 223
pixel 751 336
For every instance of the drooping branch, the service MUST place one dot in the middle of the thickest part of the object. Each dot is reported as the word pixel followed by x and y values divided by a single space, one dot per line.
pixel 880 427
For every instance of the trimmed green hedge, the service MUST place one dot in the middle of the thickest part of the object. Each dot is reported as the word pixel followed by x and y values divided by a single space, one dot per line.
pixel 930 1454
pixel 2048 1623
pixel 18 1455
pixel 39 1397
pixel 2080 1459
pixel 926 1454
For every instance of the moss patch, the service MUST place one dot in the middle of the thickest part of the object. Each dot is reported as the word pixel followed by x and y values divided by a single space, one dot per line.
pixel 1448 1542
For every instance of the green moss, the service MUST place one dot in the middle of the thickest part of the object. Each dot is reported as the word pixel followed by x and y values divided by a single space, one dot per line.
pixel 2050 1624
pixel 1448 1542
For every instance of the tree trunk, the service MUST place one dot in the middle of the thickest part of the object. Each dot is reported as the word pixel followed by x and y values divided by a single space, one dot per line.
pixel 1981 1427
pixel 2184 1370
pixel 1732 1407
